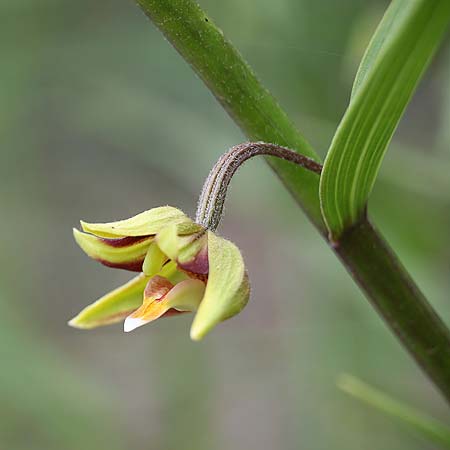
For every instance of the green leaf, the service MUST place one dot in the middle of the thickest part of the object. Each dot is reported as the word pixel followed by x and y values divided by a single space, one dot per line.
pixel 393 64
pixel 419 422
pixel 381 38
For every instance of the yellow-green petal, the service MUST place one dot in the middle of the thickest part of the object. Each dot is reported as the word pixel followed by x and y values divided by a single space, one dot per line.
pixel 143 224
pixel 174 239
pixel 154 260
pixel 192 249
pixel 112 307
pixel 169 242
pixel 227 290
pixel 171 272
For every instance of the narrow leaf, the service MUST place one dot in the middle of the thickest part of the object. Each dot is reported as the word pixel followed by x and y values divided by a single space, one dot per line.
pixel 381 38
pixel 419 422
pixel 390 71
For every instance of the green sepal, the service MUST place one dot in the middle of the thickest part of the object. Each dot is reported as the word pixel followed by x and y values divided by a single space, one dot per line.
pixel 227 290
pixel 121 302
pixel 191 227
pixel 146 223
pixel 112 307
pixel 99 249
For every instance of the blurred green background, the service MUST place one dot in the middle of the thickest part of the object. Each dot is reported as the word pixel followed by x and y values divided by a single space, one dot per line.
pixel 101 119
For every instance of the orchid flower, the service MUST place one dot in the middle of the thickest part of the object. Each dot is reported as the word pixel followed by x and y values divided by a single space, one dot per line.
pixel 184 266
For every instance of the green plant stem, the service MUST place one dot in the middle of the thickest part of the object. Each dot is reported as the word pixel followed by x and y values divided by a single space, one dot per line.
pixel 374 266
pixel 379 273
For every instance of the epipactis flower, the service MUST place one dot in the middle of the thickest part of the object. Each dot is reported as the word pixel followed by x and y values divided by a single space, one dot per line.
pixel 183 268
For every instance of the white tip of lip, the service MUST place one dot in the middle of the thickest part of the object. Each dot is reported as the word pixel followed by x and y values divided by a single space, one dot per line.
pixel 131 323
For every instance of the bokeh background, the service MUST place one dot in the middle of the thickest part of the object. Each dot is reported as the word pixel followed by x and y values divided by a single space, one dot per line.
pixel 101 119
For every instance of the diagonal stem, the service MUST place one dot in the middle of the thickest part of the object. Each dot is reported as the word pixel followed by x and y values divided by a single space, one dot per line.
pixel 367 257
pixel 417 421
pixel 379 273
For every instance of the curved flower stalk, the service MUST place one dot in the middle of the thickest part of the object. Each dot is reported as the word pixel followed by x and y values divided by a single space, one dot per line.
pixel 184 266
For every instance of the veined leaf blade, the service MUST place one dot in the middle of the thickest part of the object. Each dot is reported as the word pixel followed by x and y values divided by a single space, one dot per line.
pixel 389 73
pixel 381 38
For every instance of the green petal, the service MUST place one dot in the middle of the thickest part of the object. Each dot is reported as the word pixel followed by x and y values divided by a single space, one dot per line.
pixel 169 242
pixel 175 242
pixel 144 224
pixel 227 289
pixel 124 253
pixel 171 272
pixel 154 260
pixel 114 306
pixel 189 252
